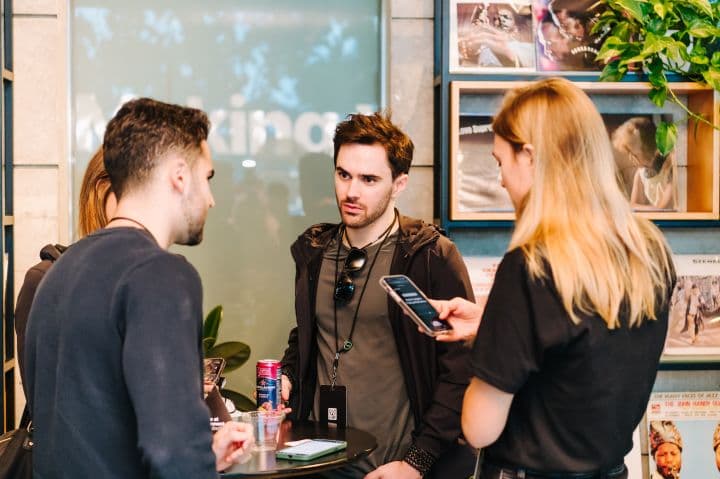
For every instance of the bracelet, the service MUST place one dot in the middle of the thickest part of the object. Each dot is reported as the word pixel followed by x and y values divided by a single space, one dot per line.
pixel 419 459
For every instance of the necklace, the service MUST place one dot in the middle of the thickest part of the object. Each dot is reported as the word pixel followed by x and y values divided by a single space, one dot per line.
pixel 115 218
pixel 385 233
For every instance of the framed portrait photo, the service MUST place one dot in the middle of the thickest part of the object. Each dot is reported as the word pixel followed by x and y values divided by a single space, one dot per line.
pixel 491 36
pixel 564 41
pixel 683 434
pixel 651 181
pixel 681 185
pixel 694 318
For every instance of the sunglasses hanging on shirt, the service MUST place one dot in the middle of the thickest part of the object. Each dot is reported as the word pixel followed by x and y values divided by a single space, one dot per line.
pixel 345 287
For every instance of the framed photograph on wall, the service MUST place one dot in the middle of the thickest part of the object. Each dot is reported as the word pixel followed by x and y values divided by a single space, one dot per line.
pixel 563 38
pixel 682 431
pixel 683 185
pixel 491 36
pixel 652 182
pixel 694 320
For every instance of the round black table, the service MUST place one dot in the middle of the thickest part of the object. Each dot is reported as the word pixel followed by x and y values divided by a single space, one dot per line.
pixel 264 464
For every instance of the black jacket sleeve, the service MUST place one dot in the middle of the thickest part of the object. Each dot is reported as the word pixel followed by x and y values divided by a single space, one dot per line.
pixel 440 428
pixel 22 308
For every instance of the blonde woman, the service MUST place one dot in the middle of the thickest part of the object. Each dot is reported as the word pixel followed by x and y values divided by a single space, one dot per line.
pixel 566 354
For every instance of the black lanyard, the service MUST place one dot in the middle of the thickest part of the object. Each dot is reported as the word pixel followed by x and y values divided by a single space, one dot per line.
pixel 348 344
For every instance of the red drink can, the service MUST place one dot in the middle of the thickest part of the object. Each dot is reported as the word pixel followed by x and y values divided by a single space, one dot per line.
pixel 269 384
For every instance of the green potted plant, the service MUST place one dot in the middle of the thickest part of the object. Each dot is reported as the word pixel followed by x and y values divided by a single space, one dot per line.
pixel 235 354
pixel 654 38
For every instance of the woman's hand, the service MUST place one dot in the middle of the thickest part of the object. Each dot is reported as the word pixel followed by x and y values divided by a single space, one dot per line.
pixel 463 315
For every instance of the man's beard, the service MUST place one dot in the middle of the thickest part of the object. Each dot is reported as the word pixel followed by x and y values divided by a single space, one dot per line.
pixel 371 217
pixel 194 228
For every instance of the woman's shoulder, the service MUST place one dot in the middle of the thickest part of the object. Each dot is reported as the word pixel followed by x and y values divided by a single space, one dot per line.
pixel 514 259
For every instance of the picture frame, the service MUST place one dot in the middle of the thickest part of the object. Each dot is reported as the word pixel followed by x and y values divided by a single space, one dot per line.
pixel 495 36
pixel 689 420
pixel 694 317
pixel 691 179
pixel 564 41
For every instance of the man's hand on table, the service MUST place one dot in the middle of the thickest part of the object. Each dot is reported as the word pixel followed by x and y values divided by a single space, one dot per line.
pixel 395 470
pixel 230 443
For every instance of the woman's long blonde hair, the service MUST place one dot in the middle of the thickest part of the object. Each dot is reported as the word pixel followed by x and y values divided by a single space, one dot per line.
pixel 575 218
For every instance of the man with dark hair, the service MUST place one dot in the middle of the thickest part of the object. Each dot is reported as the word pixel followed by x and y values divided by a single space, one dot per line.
pixel 666 450
pixel 113 348
pixel 351 339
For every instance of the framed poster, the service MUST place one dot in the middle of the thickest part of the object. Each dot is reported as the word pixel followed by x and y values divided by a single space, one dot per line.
pixel 563 38
pixel 683 432
pixel 694 319
pixel 482 273
pixel 491 36
pixel 683 185
pixel 652 182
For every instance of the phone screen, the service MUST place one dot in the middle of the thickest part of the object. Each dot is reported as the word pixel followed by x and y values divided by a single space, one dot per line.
pixel 415 300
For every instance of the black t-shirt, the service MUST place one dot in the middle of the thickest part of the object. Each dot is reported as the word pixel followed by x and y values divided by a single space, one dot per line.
pixel 579 389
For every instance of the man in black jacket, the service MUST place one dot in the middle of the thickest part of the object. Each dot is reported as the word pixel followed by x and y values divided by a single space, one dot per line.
pixel 399 384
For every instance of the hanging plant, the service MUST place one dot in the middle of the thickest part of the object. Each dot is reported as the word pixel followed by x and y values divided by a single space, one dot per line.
pixel 656 37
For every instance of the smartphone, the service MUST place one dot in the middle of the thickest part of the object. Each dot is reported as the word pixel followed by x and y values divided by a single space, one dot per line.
pixel 311 449
pixel 213 369
pixel 415 304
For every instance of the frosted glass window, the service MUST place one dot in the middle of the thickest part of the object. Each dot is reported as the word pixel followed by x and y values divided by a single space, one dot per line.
pixel 275 78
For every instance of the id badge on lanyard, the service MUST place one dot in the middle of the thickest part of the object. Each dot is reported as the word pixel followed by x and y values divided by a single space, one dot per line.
pixel 333 405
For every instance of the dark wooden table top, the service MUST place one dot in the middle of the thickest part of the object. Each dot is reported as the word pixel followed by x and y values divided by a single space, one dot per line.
pixel 264 464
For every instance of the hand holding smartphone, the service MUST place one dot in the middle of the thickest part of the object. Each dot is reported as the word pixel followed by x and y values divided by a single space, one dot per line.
pixel 415 304
pixel 213 369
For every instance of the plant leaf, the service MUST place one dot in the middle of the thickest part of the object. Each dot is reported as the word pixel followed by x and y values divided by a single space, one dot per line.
pixel 234 352
pixel 658 95
pixel 211 325
pixel 712 77
pixel 241 401
pixel 701 29
pixel 702 5
pixel 613 72
pixel 660 9
pixel 632 8
pixel 622 31
pixel 666 137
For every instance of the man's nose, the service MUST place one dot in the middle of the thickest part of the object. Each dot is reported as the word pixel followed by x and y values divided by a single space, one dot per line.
pixel 353 189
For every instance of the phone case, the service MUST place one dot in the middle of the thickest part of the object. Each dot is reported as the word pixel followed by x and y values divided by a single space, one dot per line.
pixel 213 369
pixel 408 311
pixel 308 451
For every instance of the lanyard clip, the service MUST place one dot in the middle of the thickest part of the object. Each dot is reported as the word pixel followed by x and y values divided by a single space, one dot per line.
pixel 335 364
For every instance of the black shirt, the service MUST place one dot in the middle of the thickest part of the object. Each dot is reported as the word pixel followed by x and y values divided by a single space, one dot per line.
pixel 579 389
pixel 114 363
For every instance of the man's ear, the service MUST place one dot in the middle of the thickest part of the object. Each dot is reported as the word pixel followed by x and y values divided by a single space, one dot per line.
pixel 399 184
pixel 178 173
